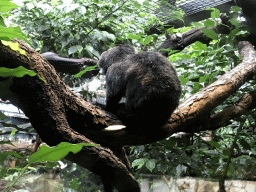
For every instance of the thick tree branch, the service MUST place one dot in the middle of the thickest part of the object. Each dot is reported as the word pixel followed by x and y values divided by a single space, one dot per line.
pixel 70 65
pixel 246 103
pixel 58 115
pixel 179 41
pixel 195 112
pixel 191 116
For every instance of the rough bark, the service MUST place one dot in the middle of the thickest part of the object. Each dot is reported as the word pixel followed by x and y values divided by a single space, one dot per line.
pixel 174 42
pixel 58 115
pixel 70 65
pixel 179 41
pixel 194 114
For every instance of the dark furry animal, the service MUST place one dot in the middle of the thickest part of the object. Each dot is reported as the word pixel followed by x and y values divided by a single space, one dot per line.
pixel 147 80
pixel 249 12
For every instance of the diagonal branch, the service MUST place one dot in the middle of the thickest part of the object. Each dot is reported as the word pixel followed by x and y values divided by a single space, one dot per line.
pixel 194 113
pixel 58 115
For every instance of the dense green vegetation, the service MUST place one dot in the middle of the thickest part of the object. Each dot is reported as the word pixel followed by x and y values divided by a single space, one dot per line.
pixel 86 28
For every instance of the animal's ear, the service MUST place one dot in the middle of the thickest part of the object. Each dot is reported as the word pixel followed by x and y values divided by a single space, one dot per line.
pixel 167 35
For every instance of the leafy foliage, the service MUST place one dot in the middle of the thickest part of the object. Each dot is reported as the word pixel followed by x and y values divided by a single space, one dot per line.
pixel 45 154
pixel 55 153
pixel 86 28
pixel 17 72
pixel 200 65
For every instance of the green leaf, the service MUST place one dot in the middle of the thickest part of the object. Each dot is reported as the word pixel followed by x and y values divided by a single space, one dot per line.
pixel 143 14
pixel 170 51
pixel 77 36
pixel 17 72
pixel 6 6
pixel 226 152
pixel 72 50
pixel 237 31
pixel 147 40
pixel 89 48
pixel 180 169
pixel 151 164
pixel 74 184
pixel 163 168
pixel 178 56
pixel 215 144
pixel 42 27
pixel 56 153
pixel 245 144
pixel 131 36
pixel 10 33
pixel 137 5
pixel 179 17
pixel 210 33
pixel 2 116
pixel 6 14
pixel 139 162
pixel 202 79
pixel 215 12
pixel 93 51
pixel 2 22
pixel 79 48
pixel 209 23
pixel 14 46
pixel 183 80
pixel 109 36
pixel 8 124
pixel 6 142
pixel 85 70
pixel 114 2
pixel 235 9
pixel 3 172
pixel 211 153
pixel 13 132
pixel 199 46
pixel 234 21
pixel 5 154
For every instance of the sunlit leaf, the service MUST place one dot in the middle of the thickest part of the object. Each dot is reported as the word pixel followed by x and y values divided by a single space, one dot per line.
pixel 6 5
pixel 131 36
pixel 10 33
pixel 17 72
pixel 210 33
pixel 2 116
pixel 139 162
pixel 114 1
pixel 85 70
pixel 5 154
pixel 13 132
pixel 55 153
pixel 14 46
pixel 209 23
pixel 151 164
pixel 215 12
pixel 72 50
pixel 2 22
